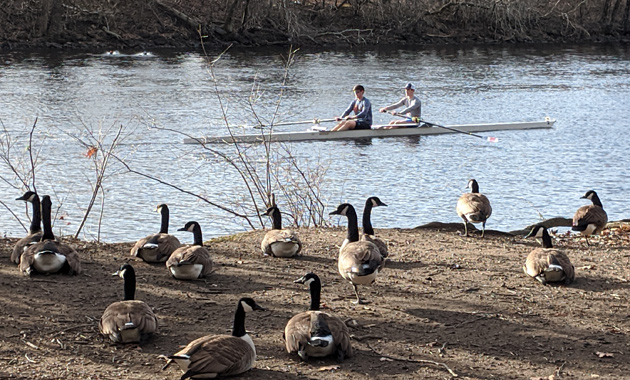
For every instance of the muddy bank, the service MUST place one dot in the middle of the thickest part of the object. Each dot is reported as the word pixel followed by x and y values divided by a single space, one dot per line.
pixel 97 24
pixel 444 305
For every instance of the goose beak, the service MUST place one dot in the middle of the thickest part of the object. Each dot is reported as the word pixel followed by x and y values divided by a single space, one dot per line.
pixel 299 280
pixel 181 229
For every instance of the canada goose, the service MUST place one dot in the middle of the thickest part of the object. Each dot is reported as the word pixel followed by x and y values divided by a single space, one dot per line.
pixel 474 207
pixel 190 262
pixel 220 355
pixel 590 219
pixel 128 321
pixel 278 242
pixel 547 264
pixel 49 256
pixel 34 231
pixel 359 261
pixel 315 333
pixel 368 231
pixel 158 247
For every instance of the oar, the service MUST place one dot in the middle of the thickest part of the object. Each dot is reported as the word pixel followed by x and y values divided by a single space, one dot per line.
pixel 489 138
pixel 312 121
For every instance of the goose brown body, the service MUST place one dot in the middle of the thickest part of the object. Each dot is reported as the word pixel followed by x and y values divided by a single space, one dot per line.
pixel 190 262
pixel 474 207
pixel 547 264
pixel 130 320
pixel 314 333
pixel 48 255
pixel 591 219
pixel 220 355
pixel 157 248
pixel 359 262
pixel 280 242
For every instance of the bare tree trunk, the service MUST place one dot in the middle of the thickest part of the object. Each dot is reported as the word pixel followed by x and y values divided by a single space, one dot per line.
pixel 55 22
pixel 50 21
pixel 227 25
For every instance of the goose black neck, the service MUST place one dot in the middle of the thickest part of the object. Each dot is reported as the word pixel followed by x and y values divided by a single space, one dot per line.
pixel 276 217
pixel 129 278
pixel 197 235
pixel 367 218
pixel 546 239
pixel 353 227
pixel 596 201
pixel 46 206
pixel 165 220
pixel 316 290
pixel 474 187
pixel 36 221
pixel 238 330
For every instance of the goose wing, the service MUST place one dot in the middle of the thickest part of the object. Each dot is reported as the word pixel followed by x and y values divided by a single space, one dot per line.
pixel 361 258
pixel 590 214
pixel 222 355
pixel 73 263
pixel 476 207
pixel 193 254
pixel 119 314
pixel 21 245
pixel 155 248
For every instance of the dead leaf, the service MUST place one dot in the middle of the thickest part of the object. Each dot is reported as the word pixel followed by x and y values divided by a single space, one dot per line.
pixel 328 368
pixel 604 354
pixel 91 151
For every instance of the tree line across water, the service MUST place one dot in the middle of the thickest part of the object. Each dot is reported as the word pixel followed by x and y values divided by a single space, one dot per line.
pixel 185 23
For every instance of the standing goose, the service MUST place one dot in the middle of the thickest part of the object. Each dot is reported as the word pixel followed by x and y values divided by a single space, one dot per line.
pixel 34 231
pixel 128 321
pixel 368 231
pixel 547 264
pixel 474 207
pixel 359 261
pixel 278 242
pixel 315 333
pixel 158 247
pixel 220 355
pixel 590 219
pixel 49 256
pixel 190 262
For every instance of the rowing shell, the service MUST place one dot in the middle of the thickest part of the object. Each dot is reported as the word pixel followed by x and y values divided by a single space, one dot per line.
pixel 264 135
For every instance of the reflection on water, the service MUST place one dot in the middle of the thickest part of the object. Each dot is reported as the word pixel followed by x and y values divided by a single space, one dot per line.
pixel 159 96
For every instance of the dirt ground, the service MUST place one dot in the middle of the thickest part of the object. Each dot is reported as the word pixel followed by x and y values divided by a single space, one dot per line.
pixel 444 307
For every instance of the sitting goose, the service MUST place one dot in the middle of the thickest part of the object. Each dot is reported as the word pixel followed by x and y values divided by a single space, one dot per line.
pixel 368 231
pixel 316 333
pixel 158 247
pixel 220 355
pixel 474 207
pixel 48 255
pixel 547 264
pixel 190 262
pixel 34 231
pixel 359 261
pixel 128 321
pixel 590 219
pixel 278 242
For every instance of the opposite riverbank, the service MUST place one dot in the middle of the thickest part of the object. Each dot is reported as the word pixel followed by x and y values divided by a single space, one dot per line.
pixel 142 25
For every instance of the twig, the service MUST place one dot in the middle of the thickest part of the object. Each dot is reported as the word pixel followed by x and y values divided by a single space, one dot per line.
pixel 439 364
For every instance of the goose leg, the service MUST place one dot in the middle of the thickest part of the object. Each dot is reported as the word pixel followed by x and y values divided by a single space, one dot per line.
pixel 483 228
pixel 465 228
pixel 359 301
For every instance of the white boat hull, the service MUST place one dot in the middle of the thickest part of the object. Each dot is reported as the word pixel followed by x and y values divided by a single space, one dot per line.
pixel 264 135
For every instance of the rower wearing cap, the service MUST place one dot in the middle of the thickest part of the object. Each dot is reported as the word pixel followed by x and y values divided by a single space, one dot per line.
pixel 412 109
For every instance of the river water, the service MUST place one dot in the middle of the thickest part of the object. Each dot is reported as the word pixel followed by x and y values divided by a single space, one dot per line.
pixel 159 96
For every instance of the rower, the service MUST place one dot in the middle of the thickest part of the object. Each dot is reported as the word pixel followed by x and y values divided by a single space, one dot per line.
pixel 412 109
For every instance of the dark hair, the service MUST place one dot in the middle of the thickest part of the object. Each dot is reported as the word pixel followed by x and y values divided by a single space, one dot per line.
pixel 358 87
